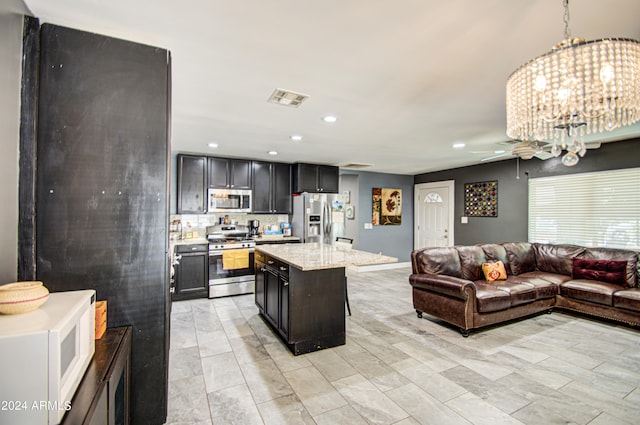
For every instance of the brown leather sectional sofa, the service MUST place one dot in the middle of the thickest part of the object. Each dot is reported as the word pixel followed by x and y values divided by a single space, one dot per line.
pixel 448 283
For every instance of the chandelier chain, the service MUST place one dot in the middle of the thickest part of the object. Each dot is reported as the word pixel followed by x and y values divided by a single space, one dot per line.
pixel 567 32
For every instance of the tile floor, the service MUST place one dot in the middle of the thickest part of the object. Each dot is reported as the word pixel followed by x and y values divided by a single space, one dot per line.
pixel 227 367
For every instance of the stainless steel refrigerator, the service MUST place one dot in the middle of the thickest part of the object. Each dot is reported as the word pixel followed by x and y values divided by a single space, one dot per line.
pixel 318 217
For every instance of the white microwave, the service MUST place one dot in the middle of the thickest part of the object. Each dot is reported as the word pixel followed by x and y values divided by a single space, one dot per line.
pixel 43 357
pixel 228 200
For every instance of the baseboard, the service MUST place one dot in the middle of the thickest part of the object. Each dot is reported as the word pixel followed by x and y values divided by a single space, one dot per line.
pixel 375 267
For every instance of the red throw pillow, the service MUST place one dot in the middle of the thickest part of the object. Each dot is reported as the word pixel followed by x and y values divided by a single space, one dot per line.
pixel 609 271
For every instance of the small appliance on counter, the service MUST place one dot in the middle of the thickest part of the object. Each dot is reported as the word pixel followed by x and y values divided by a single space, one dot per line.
pixel 254 227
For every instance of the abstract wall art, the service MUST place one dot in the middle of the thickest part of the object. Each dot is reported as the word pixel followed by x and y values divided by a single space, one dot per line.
pixel 481 199
pixel 386 206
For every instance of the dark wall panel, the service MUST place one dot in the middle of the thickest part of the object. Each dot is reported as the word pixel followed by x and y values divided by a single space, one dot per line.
pixel 28 116
pixel 513 208
pixel 102 190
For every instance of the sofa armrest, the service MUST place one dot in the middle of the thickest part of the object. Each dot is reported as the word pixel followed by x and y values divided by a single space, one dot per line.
pixel 443 284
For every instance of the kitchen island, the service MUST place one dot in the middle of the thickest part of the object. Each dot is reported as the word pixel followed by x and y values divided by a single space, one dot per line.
pixel 300 291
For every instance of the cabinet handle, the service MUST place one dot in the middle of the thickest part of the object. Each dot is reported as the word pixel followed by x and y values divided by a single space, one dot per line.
pixel 285 283
pixel 283 268
pixel 269 262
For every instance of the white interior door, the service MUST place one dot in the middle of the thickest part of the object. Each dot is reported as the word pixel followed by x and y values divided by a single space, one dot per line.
pixel 434 214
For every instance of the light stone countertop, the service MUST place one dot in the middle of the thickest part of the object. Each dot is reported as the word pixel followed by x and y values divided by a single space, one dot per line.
pixel 315 256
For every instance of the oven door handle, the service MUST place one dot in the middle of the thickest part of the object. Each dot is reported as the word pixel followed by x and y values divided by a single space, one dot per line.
pixel 220 251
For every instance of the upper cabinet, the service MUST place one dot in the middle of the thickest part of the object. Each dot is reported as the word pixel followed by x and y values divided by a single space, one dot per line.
pixel 229 173
pixel 315 178
pixel 271 188
pixel 192 184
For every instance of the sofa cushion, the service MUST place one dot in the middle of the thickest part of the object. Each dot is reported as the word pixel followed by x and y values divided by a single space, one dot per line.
pixel 556 258
pixel 494 271
pixel 496 252
pixel 631 257
pixel 519 292
pixel 471 260
pixel 554 278
pixel 489 298
pixel 590 290
pixel 438 260
pixel 610 271
pixel 628 299
pixel 522 259
pixel 544 288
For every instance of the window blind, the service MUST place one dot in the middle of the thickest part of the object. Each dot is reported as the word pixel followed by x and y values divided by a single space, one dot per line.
pixel 590 209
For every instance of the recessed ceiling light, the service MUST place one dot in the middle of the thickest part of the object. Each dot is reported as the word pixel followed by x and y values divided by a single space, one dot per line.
pixel 272 153
pixel 213 145
pixel 329 118
pixel 459 145
pixel 499 151
pixel 296 137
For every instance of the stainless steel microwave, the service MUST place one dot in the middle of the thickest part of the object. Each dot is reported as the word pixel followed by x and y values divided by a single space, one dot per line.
pixel 228 201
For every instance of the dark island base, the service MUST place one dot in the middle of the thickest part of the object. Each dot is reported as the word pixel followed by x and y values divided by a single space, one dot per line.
pixel 306 309
pixel 309 346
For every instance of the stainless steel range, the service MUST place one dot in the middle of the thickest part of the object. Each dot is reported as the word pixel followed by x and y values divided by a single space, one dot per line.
pixel 231 255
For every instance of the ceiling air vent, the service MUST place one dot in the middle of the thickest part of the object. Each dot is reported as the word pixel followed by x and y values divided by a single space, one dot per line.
pixel 287 98
pixel 356 165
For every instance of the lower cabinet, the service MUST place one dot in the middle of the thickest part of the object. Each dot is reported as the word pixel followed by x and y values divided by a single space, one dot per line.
pixel 102 398
pixel 261 276
pixel 272 293
pixel 305 308
pixel 191 279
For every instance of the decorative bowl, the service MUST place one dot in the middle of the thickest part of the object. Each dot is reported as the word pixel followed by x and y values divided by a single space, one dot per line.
pixel 22 297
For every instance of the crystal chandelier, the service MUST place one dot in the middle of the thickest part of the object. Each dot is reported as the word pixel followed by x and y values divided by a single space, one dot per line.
pixel 579 87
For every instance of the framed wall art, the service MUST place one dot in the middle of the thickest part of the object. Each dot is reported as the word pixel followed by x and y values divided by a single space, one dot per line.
pixel 350 212
pixel 386 206
pixel 481 199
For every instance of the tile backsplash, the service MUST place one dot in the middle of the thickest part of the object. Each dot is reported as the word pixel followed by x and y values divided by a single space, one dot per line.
pixel 197 223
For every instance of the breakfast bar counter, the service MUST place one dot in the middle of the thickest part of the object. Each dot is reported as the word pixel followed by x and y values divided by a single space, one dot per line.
pixel 301 289
pixel 316 256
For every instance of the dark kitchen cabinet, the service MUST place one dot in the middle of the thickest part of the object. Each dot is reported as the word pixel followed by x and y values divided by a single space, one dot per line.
pixel 229 173
pixel 272 296
pixel 261 276
pixel 192 184
pixel 272 292
pixel 191 272
pixel 271 188
pixel 315 178
pixel 328 178
pixel 283 294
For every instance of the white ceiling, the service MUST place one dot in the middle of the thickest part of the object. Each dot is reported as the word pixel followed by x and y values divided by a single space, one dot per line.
pixel 405 78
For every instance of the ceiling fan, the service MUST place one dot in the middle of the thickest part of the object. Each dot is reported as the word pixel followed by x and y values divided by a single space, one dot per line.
pixel 527 149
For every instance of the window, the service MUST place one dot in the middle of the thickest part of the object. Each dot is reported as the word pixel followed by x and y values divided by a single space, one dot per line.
pixel 590 209
pixel 433 197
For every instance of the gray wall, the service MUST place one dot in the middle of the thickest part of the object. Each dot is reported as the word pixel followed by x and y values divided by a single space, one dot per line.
pixel 395 241
pixel 10 76
pixel 350 182
pixel 511 223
